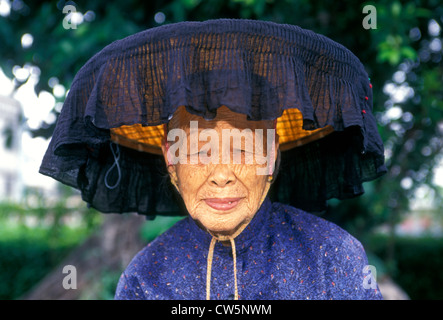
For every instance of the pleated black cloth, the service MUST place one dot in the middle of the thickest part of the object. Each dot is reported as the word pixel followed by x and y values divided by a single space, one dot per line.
pixel 255 68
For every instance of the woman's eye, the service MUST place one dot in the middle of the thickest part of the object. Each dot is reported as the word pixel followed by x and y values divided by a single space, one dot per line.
pixel 201 152
pixel 205 152
pixel 242 151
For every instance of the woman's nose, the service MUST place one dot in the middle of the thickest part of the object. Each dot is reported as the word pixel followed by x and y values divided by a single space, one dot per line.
pixel 221 175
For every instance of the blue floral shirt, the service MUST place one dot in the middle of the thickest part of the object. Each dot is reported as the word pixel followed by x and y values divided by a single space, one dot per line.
pixel 284 253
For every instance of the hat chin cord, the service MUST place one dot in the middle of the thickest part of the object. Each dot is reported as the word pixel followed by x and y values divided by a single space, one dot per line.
pixel 209 264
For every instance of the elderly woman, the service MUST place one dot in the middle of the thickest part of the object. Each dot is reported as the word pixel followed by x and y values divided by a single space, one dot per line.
pixel 223 105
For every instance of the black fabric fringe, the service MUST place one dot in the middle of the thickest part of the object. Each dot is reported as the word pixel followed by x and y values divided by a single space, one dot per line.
pixel 253 67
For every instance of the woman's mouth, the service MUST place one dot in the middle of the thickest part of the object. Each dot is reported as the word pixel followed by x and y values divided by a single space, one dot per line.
pixel 222 204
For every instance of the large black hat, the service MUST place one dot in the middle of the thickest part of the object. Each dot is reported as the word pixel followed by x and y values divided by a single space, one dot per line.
pixel 107 139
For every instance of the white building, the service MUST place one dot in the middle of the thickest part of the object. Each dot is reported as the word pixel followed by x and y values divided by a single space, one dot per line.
pixel 20 155
pixel 11 159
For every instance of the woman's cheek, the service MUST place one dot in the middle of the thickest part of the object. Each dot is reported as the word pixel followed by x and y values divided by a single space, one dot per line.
pixel 189 180
pixel 254 182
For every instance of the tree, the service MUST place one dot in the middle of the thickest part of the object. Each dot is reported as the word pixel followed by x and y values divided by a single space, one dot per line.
pixel 402 55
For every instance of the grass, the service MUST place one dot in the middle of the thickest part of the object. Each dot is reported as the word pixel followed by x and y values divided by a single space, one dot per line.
pixel 27 254
pixel 418 264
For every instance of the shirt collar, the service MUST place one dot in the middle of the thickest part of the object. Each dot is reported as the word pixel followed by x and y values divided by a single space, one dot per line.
pixel 245 238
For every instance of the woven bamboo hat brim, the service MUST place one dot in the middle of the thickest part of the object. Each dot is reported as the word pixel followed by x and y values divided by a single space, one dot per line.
pixel 289 128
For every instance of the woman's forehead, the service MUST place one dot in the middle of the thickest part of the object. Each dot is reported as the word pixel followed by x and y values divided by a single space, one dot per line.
pixel 225 118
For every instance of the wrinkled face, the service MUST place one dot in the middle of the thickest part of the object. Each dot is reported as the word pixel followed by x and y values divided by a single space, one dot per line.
pixel 221 195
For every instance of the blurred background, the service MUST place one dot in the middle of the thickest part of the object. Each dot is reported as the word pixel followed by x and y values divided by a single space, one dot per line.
pixel 45 226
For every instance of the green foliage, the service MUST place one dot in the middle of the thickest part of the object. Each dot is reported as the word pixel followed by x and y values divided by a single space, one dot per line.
pixel 52 215
pixel 36 235
pixel 151 229
pixel 28 254
pixel 419 262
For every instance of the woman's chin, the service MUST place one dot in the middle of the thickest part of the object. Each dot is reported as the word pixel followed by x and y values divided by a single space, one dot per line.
pixel 226 221
pixel 227 226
